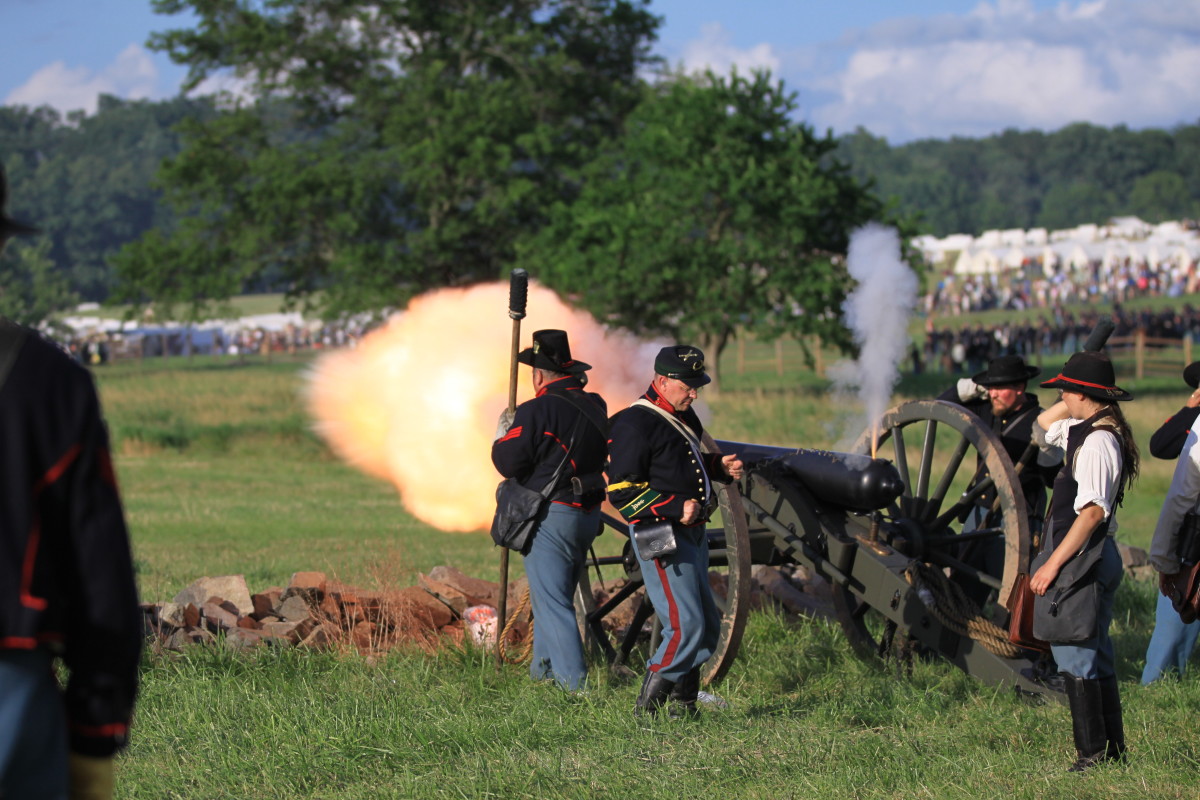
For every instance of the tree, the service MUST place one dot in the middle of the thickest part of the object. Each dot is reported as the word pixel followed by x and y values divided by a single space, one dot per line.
pixel 1160 196
pixel 391 147
pixel 87 180
pixel 715 210
pixel 31 288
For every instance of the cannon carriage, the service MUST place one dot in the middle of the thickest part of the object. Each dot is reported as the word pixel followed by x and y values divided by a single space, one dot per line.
pixel 882 525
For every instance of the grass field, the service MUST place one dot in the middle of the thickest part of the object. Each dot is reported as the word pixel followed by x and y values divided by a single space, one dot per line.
pixel 221 474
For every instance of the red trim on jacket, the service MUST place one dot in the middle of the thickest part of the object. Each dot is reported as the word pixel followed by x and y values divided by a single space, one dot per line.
pixel 28 599
pixel 513 433
pixel 112 729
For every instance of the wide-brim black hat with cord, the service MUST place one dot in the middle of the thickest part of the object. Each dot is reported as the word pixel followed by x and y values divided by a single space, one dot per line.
pixel 1005 370
pixel 552 351
pixel 1091 374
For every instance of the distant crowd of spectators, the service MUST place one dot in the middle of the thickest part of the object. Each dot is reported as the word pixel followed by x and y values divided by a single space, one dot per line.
pixel 1030 288
pixel 101 348
pixel 969 348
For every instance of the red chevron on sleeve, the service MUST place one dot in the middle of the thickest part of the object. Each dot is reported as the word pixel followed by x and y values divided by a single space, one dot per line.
pixel 513 433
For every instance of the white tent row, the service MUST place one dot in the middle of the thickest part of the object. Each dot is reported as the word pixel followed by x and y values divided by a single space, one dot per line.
pixel 1074 256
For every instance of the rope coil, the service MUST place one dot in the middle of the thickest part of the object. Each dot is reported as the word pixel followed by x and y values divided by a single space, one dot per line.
pixel 957 612
pixel 525 652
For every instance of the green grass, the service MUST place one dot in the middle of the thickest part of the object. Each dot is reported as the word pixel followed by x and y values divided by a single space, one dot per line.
pixel 221 474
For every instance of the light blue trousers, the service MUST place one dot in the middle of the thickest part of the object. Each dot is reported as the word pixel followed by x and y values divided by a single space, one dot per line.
pixel 678 588
pixel 556 557
pixel 1171 643
pixel 33 728
pixel 1094 658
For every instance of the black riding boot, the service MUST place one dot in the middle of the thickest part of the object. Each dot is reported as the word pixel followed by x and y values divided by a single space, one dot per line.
pixel 655 689
pixel 1087 719
pixel 683 696
pixel 1114 726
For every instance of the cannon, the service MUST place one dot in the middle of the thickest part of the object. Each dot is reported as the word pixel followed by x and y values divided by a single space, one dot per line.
pixel 881 525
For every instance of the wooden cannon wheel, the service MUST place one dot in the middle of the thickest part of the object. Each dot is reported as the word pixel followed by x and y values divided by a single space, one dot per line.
pixel 729 544
pixel 936 446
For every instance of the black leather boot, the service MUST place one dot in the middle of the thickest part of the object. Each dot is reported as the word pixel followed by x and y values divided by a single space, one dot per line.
pixel 1087 720
pixel 683 696
pixel 1114 726
pixel 655 690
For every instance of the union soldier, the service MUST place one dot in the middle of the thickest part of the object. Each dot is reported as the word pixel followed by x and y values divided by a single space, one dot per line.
pixel 659 475
pixel 562 424
pixel 66 581
pixel 998 397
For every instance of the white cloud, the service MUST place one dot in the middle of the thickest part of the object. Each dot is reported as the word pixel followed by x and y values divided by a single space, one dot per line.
pixel 713 50
pixel 1007 64
pixel 132 75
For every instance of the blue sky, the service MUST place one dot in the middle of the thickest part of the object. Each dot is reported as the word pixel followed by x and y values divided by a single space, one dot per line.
pixel 903 69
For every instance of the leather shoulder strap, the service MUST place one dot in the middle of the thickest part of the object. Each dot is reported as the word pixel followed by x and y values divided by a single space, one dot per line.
pixel 588 409
pixel 676 423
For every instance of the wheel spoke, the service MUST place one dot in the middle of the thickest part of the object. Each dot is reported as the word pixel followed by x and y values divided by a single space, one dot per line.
pixel 965 502
pixel 901 459
pixel 926 459
pixel 939 494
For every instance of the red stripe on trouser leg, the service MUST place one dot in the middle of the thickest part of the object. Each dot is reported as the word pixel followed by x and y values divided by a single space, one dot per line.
pixel 673 615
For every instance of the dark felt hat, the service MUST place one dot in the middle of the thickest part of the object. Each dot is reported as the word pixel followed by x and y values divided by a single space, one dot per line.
pixel 1191 374
pixel 1005 370
pixel 552 351
pixel 683 363
pixel 1089 373
pixel 8 225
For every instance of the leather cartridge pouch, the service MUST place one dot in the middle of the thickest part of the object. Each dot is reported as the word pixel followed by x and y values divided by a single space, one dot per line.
pixel 593 484
pixel 653 539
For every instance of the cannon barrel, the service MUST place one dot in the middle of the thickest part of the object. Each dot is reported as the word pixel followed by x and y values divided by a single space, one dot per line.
pixel 848 480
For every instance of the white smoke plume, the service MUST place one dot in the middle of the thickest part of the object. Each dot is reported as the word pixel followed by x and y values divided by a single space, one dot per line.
pixel 877 312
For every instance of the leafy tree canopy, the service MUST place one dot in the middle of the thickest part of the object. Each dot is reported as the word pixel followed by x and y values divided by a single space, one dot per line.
pixel 391 146
pixel 715 210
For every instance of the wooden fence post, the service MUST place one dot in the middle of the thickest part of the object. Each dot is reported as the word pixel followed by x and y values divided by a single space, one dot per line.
pixel 779 357
pixel 741 355
pixel 1139 352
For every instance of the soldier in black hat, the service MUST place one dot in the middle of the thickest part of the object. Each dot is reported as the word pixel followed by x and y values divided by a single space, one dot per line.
pixel 562 424
pixel 67 589
pixel 999 398
pixel 1100 463
pixel 658 474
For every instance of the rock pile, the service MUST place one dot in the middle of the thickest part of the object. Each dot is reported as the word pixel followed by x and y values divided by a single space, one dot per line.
pixel 315 611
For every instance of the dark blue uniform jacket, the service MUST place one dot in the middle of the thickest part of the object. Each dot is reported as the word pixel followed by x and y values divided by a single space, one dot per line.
pixel 66 574
pixel 538 438
pixel 644 448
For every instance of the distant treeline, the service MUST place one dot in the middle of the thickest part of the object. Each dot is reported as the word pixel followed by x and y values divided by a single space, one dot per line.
pixel 89 181
pixel 1028 179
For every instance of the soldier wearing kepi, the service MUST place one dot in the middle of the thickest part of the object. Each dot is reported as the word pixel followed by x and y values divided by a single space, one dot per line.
pixel 66 577
pixel 562 421
pixel 658 475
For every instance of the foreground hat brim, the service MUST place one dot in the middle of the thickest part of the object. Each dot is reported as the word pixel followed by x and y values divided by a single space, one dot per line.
pixel 1115 393
pixel 10 227
pixel 982 378
pixel 1191 374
